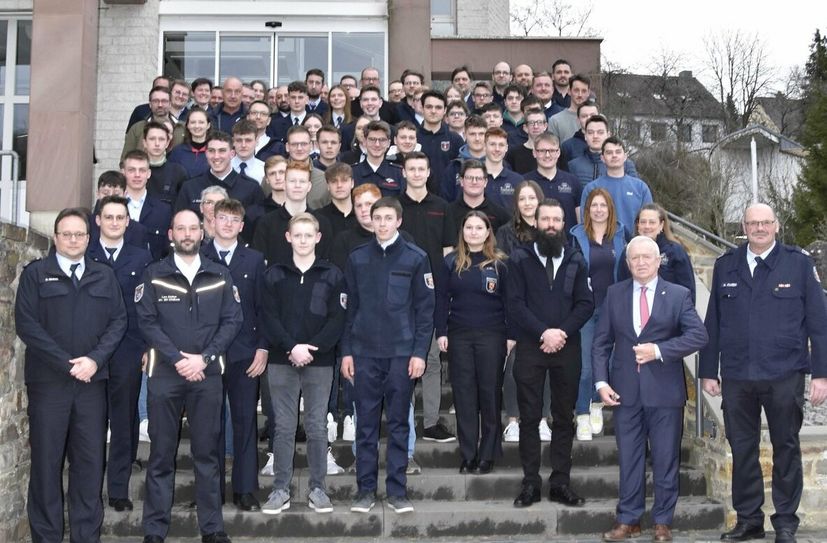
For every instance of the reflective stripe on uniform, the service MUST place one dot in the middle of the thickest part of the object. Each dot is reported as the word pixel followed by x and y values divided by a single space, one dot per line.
pixel 170 286
pixel 211 287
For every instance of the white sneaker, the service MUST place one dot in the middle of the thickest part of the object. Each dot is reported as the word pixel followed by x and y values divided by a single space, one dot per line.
pixel 258 407
pixel 332 428
pixel 301 404
pixel 143 430
pixel 584 429
pixel 332 467
pixel 545 431
pixel 268 467
pixel 348 429
pixel 109 434
pixel 596 417
pixel 452 410
pixel 511 434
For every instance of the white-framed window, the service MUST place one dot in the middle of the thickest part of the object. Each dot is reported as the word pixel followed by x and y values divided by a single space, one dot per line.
pixel 246 49
pixel 443 18
pixel 15 83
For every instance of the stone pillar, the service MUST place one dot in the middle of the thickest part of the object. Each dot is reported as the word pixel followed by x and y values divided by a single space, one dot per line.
pixel 62 105
pixel 18 247
pixel 409 38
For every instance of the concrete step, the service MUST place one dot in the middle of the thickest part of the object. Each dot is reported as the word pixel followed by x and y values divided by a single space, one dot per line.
pixel 445 484
pixel 431 520
pixel 601 451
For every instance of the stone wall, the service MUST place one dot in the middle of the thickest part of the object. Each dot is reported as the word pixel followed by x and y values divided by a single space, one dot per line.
pixel 18 246
pixel 483 18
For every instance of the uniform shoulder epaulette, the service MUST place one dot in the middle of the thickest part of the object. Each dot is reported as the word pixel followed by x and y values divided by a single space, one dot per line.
pixel 31 262
pixel 728 252
pixel 416 248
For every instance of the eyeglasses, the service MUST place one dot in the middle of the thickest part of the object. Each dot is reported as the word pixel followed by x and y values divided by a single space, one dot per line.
pixel 536 123
pixel 299 143
pixel 755 224
pixel 485 95
pixel 456 114
pixel 547 151
pixel 209 203
pixel 380 141
pixel 232 219
pixel 474 178
pixel 72 235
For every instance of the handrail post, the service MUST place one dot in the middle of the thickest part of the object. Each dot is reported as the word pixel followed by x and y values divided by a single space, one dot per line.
pixel 15 182
pixel 699 399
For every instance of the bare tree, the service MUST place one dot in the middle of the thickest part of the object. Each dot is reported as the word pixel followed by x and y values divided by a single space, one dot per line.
pixel 741 72
pixel 551 17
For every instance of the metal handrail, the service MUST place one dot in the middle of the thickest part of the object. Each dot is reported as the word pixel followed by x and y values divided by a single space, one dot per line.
pixel 15 182
pixel 701 231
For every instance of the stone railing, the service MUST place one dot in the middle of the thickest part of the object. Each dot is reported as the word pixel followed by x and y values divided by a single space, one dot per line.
pixel 18 246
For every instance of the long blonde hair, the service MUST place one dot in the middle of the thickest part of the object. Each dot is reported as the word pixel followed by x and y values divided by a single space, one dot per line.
pixel 489 248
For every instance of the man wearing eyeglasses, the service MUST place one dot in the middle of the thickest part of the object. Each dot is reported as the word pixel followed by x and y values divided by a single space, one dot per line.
pixel 521 157
pixel 376 168
pixel 70 314
pixel 473 180
pixel 557 184
pixel 766 322
pixel 298 150
pixel 247 354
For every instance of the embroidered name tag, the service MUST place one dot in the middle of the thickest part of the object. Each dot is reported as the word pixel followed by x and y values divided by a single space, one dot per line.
pixel 727 285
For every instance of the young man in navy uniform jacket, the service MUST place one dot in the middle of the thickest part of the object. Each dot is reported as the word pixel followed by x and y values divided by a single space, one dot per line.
pixel 70 314
pixel 189 312
pixel 128 262
pixel 247 354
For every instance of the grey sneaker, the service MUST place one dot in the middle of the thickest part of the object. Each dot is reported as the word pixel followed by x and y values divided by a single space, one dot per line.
pixel 413 468
pixel 277 501
pixel 400 504
pixel 318 501
pixel 363 502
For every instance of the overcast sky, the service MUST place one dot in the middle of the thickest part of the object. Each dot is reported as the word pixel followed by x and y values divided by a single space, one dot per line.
pixel 633 31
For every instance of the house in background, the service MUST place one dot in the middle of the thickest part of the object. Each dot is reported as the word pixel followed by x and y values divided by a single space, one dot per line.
pixel 648 110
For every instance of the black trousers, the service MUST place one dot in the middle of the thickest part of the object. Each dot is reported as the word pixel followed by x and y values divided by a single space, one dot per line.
pixel 122 394
pixel 167 397
pixel 477 357
pixel 530 367
pixel 782 400
pixel 66 419
pixel 242 392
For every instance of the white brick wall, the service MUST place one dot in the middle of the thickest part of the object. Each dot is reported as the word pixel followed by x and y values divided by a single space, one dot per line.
pixel 16 5
pixel 127 63
pixel 479 18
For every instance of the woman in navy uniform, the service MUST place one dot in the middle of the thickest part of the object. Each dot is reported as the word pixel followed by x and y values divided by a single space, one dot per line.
pixel 471 327
pixel 675 265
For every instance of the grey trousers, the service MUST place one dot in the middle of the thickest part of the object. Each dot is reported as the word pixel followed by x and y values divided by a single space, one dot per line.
pixel 286 383
pixel 431 386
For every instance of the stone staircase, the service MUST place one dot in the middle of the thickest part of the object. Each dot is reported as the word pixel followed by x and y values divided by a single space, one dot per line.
pixel 449 505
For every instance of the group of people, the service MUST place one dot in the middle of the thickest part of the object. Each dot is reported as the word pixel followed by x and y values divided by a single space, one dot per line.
pixel 272 241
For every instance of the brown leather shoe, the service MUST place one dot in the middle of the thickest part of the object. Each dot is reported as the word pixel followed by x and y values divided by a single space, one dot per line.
pixel 622 532
pixel 663 533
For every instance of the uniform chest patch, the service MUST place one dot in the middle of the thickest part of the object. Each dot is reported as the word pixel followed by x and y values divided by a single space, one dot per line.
pixel 445 146
pixel 139 293
pixel 429 280
pixel 564 188
pixel 490 285
pixel 343 300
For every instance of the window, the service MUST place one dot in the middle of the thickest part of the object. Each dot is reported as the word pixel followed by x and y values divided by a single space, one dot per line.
pixel 297 54
pixel 631 130
pixel 353 51
pixel 15 83
pixel 189 55
pixel 657 131
pixel 245 57
pixel 443 18
pixel 709 133
pixel 685 133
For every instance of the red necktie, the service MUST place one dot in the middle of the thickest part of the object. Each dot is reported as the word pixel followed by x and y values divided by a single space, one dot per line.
pixel 644 308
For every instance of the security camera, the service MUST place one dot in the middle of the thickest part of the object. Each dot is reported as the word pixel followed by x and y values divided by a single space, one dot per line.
pixel 273 24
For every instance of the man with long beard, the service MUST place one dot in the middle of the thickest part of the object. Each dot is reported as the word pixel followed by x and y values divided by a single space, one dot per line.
pixel 549 300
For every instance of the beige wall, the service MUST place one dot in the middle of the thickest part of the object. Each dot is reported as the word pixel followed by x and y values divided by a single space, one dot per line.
pixel 409 37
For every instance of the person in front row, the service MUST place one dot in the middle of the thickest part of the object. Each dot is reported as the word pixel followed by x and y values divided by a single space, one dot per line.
pixel 549 300
pixel 390 295
pixel 304 312
pixel 647 326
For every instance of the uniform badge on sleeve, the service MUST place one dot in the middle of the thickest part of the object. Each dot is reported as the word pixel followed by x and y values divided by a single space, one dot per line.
pixel 815 272
pixel 139 293
pixel 445 146
pixel 429 280
pixel 236 295
pixel 343 300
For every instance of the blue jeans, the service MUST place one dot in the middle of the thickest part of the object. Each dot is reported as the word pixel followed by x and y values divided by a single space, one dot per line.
pixel 586 392
pixel 142 399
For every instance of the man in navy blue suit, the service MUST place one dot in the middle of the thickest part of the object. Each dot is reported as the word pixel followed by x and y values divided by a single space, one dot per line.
pixel 646 384
pixel 247 354
pixel 128 263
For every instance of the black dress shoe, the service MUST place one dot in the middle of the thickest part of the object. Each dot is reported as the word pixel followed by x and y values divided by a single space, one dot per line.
pixel 468 467
pixel 744 532
pixel 120 504
pixel 153 539
pixel 264 435
pixel 217 537
pixel 246 502
pixel 529 494
pixel 784 536
pixel 485 466
pixel 301 435
pixel 565 495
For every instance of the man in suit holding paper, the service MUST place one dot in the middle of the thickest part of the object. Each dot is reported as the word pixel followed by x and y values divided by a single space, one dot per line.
pixel 651 325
